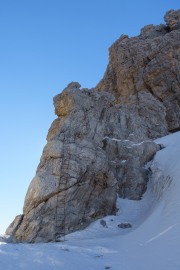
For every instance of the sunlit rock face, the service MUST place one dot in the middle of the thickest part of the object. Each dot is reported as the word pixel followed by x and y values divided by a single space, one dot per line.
pixel 99 144
pixel 148 64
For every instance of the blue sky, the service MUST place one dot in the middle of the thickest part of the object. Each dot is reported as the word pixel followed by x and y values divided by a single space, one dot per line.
pixel 45 44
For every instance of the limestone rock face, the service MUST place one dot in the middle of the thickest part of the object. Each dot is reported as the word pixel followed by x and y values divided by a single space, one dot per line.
pixel 172 18
pixel 148 63
pixel 127 161
pixel 98 146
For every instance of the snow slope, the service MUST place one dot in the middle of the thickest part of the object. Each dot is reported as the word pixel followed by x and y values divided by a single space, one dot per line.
pixel 153 242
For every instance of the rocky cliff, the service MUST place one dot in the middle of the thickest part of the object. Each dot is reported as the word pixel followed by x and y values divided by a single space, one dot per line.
pixel 98 146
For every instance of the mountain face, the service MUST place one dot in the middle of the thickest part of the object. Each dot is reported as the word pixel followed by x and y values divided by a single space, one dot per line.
pixel 102 139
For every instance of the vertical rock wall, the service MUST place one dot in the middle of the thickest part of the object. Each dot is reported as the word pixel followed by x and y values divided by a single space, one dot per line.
pixel 100 142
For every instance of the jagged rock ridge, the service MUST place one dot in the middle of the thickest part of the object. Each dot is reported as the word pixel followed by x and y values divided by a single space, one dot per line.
pixel 101 140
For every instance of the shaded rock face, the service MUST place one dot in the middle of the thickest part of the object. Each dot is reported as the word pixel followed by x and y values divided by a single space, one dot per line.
pixel 100 142
pixel 127 162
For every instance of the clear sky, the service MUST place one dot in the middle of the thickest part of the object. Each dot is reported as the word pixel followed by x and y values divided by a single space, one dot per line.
pixel 44 45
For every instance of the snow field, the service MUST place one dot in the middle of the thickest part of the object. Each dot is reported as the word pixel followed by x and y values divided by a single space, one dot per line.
pixel 153 242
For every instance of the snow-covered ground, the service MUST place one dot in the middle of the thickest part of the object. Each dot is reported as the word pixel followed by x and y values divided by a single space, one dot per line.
pixel 153 242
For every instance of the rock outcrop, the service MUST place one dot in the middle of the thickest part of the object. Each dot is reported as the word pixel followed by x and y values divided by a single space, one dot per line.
pixel 148 66
pixel 100 142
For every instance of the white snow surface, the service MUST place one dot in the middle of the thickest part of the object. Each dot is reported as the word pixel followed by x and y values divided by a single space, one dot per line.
pixel 153 242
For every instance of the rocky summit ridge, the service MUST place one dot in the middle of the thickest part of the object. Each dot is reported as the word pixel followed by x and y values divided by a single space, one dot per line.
pixel 102 138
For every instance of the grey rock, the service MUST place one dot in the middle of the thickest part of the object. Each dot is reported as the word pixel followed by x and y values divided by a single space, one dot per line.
pixel 148 65
pixel 172 18
pixel 103 223
pixel 101 141
pixel 127 162
pixel 81 169
pixel 14 225
pixel 125 225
